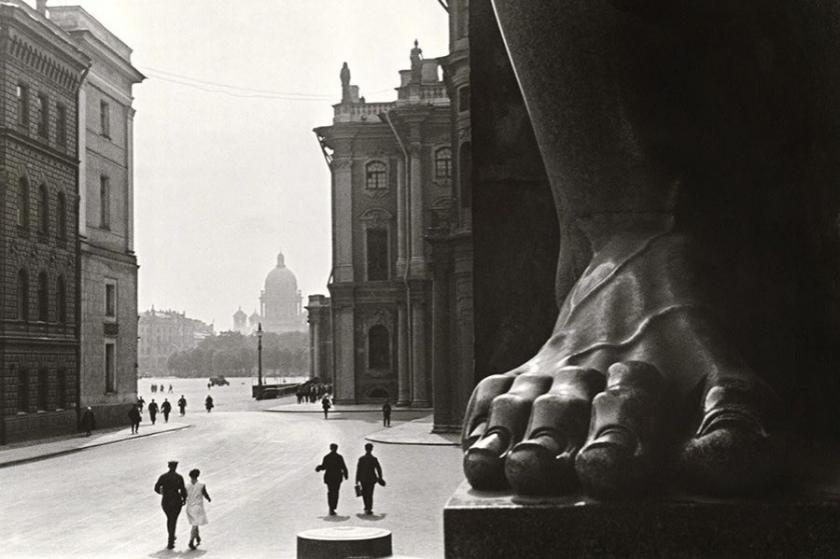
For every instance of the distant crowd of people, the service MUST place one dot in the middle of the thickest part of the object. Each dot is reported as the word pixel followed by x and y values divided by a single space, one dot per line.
pixel 312 392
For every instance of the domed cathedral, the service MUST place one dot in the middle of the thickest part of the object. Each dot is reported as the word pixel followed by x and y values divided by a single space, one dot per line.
pixel 280 301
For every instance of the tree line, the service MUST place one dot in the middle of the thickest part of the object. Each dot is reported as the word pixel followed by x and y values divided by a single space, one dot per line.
pixel 235 355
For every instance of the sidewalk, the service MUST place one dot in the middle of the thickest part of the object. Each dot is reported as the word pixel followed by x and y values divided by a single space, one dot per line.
pixel 417 432
pixel 31 451
pixel 310 407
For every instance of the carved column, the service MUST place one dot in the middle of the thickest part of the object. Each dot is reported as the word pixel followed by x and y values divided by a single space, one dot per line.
pixel 344 374
pixel 315 341
pixel 418 261
pixel 419 372
pixel 403 377
pixel 442 341
pixel 342 174
pixel 402 225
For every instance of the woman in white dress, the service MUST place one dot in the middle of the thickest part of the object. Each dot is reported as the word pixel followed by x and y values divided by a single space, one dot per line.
pixel 196 493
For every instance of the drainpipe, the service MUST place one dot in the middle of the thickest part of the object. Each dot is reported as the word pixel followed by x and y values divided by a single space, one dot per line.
pixel 407 212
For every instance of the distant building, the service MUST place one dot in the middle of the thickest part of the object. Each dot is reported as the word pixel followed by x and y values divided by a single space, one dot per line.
pixel 392 185
pixel 280 304
pixel 162 333
pixel 41 72
pixel 108 373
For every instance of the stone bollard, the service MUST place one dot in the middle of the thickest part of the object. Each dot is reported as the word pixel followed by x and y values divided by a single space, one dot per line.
pixel 343 542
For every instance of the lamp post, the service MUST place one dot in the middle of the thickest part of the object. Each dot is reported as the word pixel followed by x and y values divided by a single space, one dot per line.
pixel 259 353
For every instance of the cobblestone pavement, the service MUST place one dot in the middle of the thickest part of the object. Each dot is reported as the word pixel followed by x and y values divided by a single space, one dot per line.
pixel 94 498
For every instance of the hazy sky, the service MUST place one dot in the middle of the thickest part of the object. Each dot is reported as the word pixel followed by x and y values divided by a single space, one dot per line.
pixel 225 177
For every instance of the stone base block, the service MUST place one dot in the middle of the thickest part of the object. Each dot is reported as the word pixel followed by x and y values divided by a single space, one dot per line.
pixel 343 542
pixel 793 524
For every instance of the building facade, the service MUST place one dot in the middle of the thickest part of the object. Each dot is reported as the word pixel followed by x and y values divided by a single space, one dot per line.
pixel 108 372
pixel 391 167
pixel 451 254
pixel 41 72
pixel 162 333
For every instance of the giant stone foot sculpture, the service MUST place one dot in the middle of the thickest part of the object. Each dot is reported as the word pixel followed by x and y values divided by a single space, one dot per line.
pixel 638 109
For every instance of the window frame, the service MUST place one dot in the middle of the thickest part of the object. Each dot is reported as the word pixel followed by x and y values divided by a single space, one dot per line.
pixel 105 202
pixel 61 126
pixel 23 204
pixel 22 94
pixel 43 209
pixel 110 366
pixel 43 297
pixel 376 180
pixel 110 310
pixel 22 303
pixel 105 119
pixel 443 165
pixel 43 115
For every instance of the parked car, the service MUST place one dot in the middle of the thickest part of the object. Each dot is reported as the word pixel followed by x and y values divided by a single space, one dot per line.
pixel 218 381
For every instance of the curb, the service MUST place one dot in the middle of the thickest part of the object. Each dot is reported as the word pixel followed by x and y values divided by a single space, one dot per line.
pixel 333 410
pixel 58 453
pixel 373 439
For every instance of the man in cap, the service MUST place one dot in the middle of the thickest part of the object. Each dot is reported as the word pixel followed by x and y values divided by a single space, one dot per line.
pixel 173 496
pixel 335 471
pixel 368 474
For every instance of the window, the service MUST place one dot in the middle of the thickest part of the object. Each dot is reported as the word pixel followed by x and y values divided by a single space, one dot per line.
pixel 376 176
pixel 464 99
pixel 43 209
pixel 61 390
pixel 23 104
pixel 465 174
pixel 23 203
pixel 43 389
pixel 377 254
pixel 111 300
pixel 379 348
pixel 104 202
pixel 61 217
pixel 23 295
pixel 105 119
pixel 110 370
pixel 43 115
pixel 443 163
pixel 61 300
pixel 61 126
pixel 43 298
pixel 23 391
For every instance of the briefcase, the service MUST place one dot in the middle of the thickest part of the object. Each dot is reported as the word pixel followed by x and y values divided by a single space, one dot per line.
pixel 358 490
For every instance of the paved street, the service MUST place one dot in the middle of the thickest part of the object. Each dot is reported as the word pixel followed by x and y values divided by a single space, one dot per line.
pixel 259 470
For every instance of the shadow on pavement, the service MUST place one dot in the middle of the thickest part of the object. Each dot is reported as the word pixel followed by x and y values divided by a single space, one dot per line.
pixel 164 553
pixel 371 517
pixel 336 518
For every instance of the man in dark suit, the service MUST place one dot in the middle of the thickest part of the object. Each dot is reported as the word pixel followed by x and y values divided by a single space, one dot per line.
pixel 335 471
pixel 173 496
pixel 368 474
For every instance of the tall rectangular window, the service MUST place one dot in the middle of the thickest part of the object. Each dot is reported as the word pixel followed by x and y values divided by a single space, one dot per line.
pixel 43 389
pixel 22 93
pixel 110 367
pixel 23 392
pixel 105 119
pixel 43 115
pixel 111 299
pixel 61 126
pixel 104 202
pixel 377 254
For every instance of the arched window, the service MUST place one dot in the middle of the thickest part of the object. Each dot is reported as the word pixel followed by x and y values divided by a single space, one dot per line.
pixel 43 209
pixel 61 300
pixel 379 348
pixel 43 298
pixel 376 176
pixel 61 217
pixel 23 203
pixel 377 254
pixel 23 295
pixel 465 174
pixel 443 163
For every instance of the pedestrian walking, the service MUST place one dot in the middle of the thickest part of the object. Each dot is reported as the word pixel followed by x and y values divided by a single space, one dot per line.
pixel 208 403
pixel 140 403
pixel 154 388
pixel 88 421
pixel 326 404
pixel 166 408
pixel 161 389
pixel 170 486
pixel 170 389
pixel 386 414
pixel 368 474
pixel 196 515
pixel 335 471
pixel 134 417
pixel 182 404
pixel 153 410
